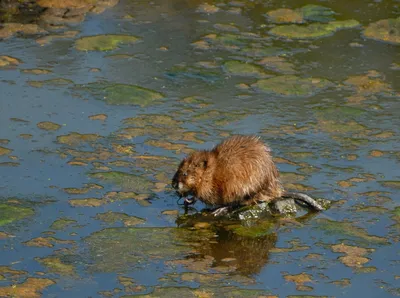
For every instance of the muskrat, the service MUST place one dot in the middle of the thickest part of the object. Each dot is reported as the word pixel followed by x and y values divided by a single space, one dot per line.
pixel 238 171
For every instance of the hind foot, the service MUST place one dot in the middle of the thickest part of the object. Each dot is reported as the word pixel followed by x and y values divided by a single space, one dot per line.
pixel 221 211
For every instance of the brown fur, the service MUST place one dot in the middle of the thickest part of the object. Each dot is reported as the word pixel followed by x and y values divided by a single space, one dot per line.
pixel 240 170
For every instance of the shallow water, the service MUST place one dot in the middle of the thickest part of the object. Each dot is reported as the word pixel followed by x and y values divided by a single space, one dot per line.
pixel 328 106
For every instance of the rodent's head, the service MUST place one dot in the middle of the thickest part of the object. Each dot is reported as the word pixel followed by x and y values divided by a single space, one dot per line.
pixel 190 173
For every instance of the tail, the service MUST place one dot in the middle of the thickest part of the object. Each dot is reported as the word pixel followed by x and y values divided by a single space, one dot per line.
pixel 297 196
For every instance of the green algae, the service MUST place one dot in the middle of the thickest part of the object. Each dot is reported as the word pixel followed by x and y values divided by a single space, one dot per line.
pixel 88 202
pixel 317 13
pixel 62 223
pixel 74 138
pixel 152 119
pixel 339 112
pixel 51 82
pixel 32 287
pixel 112 217
pixel 384 30
pixel 277 64
pixel 10 213
pixel 57 266
pixel 285 15
pixel 347 229
pixel 46 242
pixel 49 126
pixel 261 228
pixel 311 12
pixel 121 249
pixel 183 71
pixel 239 68
pixel 5 151
pixel 290 85
pixel 123 94
pixel 106 42
pixel 391 184
pixel 204 292
pixel 36 71
pixel 127 181
pixel 7 61
pixel 315 30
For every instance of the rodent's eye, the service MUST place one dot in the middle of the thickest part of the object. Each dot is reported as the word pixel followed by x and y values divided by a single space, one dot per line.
pixel 184 174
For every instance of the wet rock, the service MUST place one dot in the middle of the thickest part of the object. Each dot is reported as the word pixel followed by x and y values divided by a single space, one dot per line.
pixel 384 30
pixel 281 207
pixel 106 42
